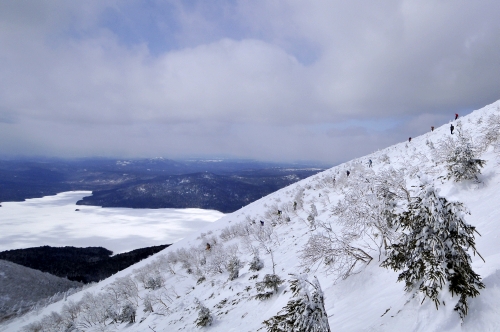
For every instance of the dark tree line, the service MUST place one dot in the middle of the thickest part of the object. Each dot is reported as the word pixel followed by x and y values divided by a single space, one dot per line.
pixel 85 265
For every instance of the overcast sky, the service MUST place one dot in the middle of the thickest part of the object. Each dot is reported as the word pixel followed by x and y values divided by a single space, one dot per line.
pixel 262 79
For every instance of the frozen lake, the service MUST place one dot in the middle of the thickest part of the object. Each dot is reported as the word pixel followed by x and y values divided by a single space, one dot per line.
pixel 53 221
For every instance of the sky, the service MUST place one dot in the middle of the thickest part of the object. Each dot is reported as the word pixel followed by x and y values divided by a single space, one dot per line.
pixel 269 80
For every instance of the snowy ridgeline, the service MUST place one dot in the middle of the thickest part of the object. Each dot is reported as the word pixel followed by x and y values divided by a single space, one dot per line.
pixel 393 246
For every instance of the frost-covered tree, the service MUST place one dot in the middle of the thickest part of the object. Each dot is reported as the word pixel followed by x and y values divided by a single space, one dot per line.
pixel 491 132
pixel 233 267
pixel 361 224
pixel 256 264
pixel 299 199
pixel 205 317
pixel 217 258
pixel 433 249
pixel 125 290
pixel 363 212
pixel 149 275
pixel 128 313
pixel 161 300
pixel 267 239
pixel 305 312
pixel 461 158
pixel 270 281
pixel 337 252
pixel 70 312
pixel 147 303
pixel 312 215
pixel 95 310
pixel 33 327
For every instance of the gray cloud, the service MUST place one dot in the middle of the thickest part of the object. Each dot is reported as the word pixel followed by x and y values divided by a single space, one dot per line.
pixel 268 80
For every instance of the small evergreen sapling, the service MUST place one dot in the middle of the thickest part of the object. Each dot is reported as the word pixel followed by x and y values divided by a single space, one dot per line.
pixel 256 264
pixel 462 163
pixel 432 251
pixel 270 281
pixel 233 267
pixel 305 312
pixel 205 317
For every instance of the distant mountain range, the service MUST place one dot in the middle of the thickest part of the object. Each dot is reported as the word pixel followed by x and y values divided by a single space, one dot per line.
pixel 223 185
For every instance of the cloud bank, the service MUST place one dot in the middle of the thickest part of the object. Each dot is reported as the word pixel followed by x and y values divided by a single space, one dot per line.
pixel 280 80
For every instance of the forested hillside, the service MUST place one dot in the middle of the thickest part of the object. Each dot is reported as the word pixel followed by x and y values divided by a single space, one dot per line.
pixel 84 265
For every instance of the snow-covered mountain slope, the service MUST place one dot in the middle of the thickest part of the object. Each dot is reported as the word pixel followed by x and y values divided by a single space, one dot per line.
pixel 332 226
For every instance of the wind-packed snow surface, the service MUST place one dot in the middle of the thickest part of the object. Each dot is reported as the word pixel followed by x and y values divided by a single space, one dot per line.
pixel 211 269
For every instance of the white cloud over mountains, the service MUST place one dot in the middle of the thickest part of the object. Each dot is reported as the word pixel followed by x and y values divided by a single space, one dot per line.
pixel 258 79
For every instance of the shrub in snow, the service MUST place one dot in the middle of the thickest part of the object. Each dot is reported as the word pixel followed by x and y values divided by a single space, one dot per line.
pixel 154 281
pixel 299 198
pixel 95 310
pixel 162 299
pixel 270 281
pixel 200 280
pixel 218 258
pixel 33 327
pixel 128 313
pixel 305 312
pixel 432 251
pixel 365 215
pixel 462 163
pixel 228 233
pixel 256 264
pixel 124 290
pixel 491 132
pixel 233 267
pixel 384 159
pixel 461 157
pixel 70 312
pixel 205 317
pixel 313 214
pixel 363 211
pixel 147 302
pixel 52 322
pixel 336 252
pixel 150 277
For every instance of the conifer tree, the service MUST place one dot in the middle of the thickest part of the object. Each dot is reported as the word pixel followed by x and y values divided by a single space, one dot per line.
pixel 432 251
pixel 305 312
pixel 270 281
pixel 461 161
pixel 205 317
pixel 234 267
pixel 256 264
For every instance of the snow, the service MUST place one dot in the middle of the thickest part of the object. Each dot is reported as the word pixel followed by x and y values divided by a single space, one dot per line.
pixel 52 220
pixel 370 299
